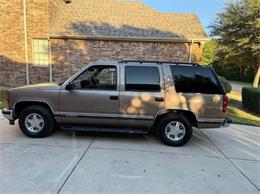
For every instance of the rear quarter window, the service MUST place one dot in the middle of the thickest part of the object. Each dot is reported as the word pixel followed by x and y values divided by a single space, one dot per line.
pixel 194 79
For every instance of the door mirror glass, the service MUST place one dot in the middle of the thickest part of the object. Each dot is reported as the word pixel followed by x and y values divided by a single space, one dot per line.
pixel 70 86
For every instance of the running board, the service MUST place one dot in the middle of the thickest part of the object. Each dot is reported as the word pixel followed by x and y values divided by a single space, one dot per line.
pixel 102 129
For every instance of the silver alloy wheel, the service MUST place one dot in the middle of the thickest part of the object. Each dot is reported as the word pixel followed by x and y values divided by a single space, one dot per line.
pixel 175 130
pixel 34 122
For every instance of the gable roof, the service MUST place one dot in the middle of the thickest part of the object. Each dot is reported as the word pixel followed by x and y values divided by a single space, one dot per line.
pixel 123 19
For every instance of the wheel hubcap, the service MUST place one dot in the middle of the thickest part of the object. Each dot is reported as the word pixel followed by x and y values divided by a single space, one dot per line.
pixel 175 130
pixel 34 122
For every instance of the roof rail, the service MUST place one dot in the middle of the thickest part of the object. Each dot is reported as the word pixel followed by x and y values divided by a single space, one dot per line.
pixel 158 62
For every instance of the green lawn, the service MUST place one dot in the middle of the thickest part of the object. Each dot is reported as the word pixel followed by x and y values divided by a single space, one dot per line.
pixel 3 97
pixel 239 114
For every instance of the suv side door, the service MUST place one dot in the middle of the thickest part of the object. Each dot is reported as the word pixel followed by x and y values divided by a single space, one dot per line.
pixel 94 98
pixel 141 94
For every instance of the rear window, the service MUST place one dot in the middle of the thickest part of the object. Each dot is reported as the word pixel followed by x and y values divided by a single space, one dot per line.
pixel 193 79
pixel 142 78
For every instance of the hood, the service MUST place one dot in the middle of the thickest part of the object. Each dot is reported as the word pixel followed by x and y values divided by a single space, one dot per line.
pixel 41 86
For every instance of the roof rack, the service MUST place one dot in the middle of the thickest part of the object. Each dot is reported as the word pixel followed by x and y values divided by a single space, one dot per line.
pixel 158 62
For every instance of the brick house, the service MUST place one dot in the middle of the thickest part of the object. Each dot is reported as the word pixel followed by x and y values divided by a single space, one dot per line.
pixel 49 40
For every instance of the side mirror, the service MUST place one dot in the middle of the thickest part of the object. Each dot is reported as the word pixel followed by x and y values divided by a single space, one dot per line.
pixel 70 86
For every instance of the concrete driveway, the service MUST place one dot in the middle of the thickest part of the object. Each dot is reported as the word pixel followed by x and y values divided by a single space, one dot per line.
pixel 237 87
pixel 214 161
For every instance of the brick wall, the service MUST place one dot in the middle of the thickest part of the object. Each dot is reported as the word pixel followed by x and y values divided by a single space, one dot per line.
pixel 54 8
pixel 12 44
pixel 12 56
pixel 68 56
pixel 37 27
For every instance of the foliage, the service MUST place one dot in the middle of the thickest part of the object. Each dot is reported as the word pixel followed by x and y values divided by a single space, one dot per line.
pixel 227 86
pixel 209 55
pixel 3 99
pixel 251 98
pixel 241 70
pixel 238 29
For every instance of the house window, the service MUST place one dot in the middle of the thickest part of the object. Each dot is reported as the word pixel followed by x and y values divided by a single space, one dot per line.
pixel 40 52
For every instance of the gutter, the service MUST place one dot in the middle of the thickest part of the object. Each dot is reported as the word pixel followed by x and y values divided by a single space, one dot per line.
pixel 133 39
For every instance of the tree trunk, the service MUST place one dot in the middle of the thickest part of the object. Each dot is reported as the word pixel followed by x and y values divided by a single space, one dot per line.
pixel 257 75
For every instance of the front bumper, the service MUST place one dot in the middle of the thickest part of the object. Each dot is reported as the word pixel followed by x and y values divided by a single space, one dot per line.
pixel 8 114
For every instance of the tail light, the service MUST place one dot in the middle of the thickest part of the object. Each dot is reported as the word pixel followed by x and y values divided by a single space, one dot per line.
pixel 225 103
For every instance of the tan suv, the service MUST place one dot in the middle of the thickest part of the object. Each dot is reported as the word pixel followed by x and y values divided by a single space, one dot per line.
pixel 126 96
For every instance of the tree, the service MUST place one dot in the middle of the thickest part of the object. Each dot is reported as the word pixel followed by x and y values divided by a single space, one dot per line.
pixel 209 55
pixel 238 29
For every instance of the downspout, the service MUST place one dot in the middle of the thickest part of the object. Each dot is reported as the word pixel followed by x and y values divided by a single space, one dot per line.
pixel 190 50
pixel 25 42
pixel 50 61
pixel 49 47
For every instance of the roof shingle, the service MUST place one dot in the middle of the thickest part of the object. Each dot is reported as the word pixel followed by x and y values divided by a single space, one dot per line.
pixel 124 19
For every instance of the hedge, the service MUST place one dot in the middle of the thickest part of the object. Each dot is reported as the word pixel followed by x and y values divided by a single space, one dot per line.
pixel 3 99
pixel 251 98
pixel 225 84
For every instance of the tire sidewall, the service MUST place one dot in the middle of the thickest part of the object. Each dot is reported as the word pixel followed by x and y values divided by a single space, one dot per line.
pixel 48 122
pixel 188 130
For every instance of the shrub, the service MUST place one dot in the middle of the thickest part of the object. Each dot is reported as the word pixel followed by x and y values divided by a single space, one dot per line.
pixel 225 84
pixel 3 99
pixel 251 98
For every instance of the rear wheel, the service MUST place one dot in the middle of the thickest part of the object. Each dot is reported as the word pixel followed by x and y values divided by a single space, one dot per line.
pixel 174 130
pixel 36 121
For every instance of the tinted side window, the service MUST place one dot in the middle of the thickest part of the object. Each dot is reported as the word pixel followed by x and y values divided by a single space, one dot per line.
pixel 142 78
pixel 97 77
pixel 189 79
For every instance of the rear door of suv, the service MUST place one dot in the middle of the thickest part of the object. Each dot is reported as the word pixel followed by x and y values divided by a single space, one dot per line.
pixel 199 90
pixel 141 94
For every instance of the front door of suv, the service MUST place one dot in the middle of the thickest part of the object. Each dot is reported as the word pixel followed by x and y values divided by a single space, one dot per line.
pixel 141 94
pixel 93 99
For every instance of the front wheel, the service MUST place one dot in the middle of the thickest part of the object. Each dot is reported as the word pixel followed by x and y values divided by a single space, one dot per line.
pixel 174 130
pixel 36 121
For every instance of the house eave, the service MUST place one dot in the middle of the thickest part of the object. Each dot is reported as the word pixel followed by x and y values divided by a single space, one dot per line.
pixel 132 39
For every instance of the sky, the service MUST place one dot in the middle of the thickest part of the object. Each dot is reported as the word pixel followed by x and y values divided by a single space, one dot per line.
pixel 205 9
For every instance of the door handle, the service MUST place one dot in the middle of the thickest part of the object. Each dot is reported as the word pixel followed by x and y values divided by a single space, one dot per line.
pixel 113 97
pixel 159 99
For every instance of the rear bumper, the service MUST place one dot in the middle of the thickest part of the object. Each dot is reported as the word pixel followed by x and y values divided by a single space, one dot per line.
pixel 214 123
pixel 227 122
pixel 8 114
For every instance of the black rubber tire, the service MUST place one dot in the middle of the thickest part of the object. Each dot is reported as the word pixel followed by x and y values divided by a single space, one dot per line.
pixel 176 117
pixel 47 116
